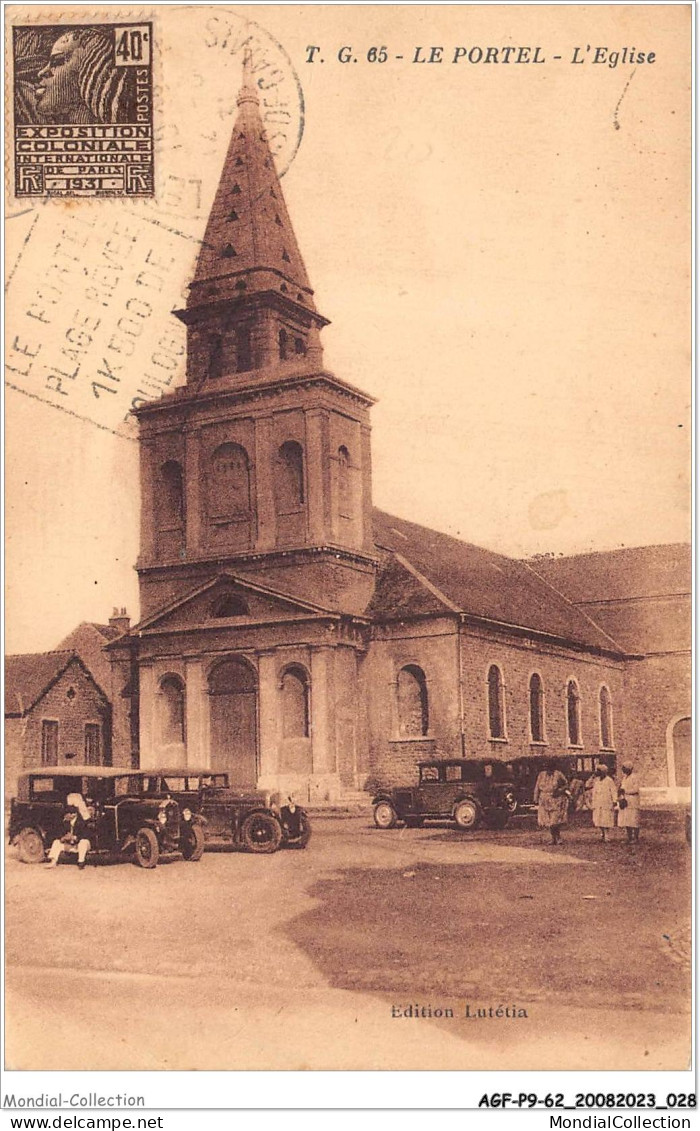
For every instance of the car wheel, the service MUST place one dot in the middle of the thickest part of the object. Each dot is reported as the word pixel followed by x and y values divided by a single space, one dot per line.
pixel 413 822
pixel 384 815
pixel 304 837
pixel 30 847
pixel 147 850
pixel 192 844
pixel 466 814
pixel 261 833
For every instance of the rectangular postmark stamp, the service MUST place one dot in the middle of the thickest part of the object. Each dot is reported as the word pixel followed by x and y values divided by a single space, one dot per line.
pixel 83 110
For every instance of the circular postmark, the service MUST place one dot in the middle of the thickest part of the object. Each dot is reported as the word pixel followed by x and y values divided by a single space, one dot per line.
pixel 279 88
pixel 198 107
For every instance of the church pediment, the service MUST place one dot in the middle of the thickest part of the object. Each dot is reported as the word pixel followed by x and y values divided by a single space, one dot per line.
pixel 228 600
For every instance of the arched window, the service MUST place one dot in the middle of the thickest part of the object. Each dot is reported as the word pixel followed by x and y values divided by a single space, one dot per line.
pixel 497 719
pixel 299 346
pixel 172 497
pixel 573 713
pixel 536 708
pixel 232 677
pixel 171 704
pixel 289 480
pixel 228 495
pixel 412 702
pixel 229 605
pixel 283 345
pixel 344 487
pixel 295 703
pixel 606 730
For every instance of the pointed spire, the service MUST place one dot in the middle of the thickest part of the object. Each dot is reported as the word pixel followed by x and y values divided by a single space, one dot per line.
pixel 248 93
pixel 249 245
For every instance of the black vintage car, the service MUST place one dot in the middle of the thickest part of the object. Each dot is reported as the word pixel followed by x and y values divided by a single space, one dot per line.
pixel 468 791
pixel 254 820
pixel 122 820
pixel 576 768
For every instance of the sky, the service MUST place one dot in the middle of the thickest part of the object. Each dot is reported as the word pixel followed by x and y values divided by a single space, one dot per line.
pixel 503 252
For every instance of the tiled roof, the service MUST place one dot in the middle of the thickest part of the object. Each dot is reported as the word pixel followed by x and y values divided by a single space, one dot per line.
pixel 399 593
pixel 109 631
pixel 28 676
pixel 478 582
pixel 106 631
pixel 89 641
pixel 641 595
pixel 640 571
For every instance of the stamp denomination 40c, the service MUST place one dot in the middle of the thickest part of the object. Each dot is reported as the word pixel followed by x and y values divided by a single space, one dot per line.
pixel 83 110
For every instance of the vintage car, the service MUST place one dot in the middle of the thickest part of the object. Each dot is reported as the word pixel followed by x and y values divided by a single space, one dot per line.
pixel 254 820
pixel 122 820
pixel 468 791
pixel 524 772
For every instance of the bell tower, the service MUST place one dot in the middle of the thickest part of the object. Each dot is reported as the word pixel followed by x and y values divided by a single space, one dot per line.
pixel 260 463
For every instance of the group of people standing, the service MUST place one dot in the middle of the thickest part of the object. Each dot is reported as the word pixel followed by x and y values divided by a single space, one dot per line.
pixel 555 797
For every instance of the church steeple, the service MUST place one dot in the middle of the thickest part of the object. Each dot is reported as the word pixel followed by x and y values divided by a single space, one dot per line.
pixel 261 463
pixel 250 304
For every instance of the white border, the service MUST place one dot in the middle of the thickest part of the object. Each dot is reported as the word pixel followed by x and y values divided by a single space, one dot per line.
pixel 174 1092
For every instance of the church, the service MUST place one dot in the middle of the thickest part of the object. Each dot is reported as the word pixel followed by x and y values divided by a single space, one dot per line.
pixel 299 638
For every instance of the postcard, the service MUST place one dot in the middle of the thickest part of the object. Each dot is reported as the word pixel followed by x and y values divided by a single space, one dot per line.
pixel 348 686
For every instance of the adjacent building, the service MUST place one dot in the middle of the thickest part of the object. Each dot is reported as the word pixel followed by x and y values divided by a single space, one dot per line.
pixel 55 714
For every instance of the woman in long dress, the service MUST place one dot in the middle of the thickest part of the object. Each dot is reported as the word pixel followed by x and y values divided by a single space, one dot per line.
pixel 552 799
pixel 628 802
pixel 603 800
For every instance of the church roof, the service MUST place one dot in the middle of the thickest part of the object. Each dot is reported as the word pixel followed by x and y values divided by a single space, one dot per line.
pixel 616 575
pixel 473 581
pixel 640 595
pixel 29 676
pixel 249 245
pixel 106 631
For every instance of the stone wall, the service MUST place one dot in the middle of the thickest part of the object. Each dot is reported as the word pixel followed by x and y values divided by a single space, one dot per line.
pixel 518 659
pixel 456 663
pixel 657 693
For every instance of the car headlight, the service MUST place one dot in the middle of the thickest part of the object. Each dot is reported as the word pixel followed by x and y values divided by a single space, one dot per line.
pixel 187 814
pixel 163 817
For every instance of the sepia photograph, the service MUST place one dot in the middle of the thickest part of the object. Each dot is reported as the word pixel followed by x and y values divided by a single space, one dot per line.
pixel 348 538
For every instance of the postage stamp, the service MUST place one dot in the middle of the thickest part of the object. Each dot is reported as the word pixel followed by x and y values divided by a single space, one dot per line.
pixel 83 110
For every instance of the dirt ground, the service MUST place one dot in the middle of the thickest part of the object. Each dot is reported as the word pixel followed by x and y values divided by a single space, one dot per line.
pixel 311 959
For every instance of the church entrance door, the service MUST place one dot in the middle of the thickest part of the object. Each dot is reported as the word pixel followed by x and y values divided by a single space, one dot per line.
pixel 233 691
